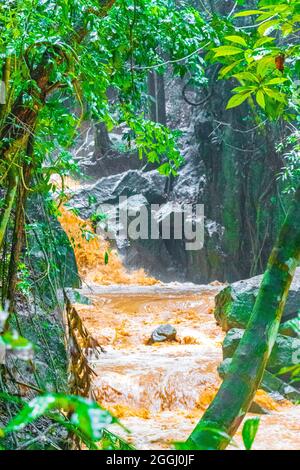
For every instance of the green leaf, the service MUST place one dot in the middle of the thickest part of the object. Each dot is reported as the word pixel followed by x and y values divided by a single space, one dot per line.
pixel 86 415
pixel 262 41
pixel 228 68
pixel 276 81
pixel 106 257
pixel 236 100
pixel 260 98
pixel 250 429
pixel 247 13
pixel 165 169
pixel 267 27
pixel 246 76
pixel 265 65
pixel 244 88
pixel 287 29
pixel 237 40
pixel 275 95
pixel 227 50
pixel 15 344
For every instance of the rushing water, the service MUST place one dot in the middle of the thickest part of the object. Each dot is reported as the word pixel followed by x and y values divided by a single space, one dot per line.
pixel 160 391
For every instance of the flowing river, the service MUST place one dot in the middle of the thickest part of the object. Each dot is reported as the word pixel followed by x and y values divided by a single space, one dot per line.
pixel 159 391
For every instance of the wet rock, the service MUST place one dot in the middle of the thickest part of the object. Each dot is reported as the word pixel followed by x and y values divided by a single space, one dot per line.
pixel 291 328
pixel 163 333
pixel 231 342
pixel 109 189
pixel 76 297
pixel 270 383
pixel 234 304
pixel 285 353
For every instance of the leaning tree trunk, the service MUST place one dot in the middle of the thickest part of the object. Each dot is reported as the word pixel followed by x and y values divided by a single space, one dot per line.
pixel 236 393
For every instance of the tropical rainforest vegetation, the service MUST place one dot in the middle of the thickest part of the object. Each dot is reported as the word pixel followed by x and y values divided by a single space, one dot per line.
pixel 128 69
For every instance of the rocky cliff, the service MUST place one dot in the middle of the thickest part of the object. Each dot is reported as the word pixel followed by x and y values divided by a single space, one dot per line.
pixel 231 166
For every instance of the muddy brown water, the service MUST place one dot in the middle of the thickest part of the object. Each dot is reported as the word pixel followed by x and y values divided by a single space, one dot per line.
pixel 159 392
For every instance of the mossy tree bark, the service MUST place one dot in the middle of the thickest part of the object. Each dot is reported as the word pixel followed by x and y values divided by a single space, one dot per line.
pixel 19 228
pixel 236 393
pixel 8 203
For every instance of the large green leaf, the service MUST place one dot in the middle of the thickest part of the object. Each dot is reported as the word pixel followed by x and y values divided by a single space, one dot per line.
pixel 223 51
pixel 226 69
pixel 237 39
pixel 241 14
pixel 276 81
pixel 247 76
pixel 236 100
pixel 267 27
pixel 260 98
pixel 86 415
pixel 262 41
pixel 275 95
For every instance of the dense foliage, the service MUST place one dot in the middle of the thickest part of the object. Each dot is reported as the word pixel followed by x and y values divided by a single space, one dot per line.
pixel 66 62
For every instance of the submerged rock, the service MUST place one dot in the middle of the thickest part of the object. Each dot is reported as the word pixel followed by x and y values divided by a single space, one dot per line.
pixel 163 333
pixel 285 353
pixel 234 304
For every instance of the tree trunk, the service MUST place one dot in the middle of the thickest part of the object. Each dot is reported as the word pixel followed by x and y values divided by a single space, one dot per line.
pixel 156 86
pixel 103 144
pixel 4 97
pixel 13 179
pixel 236 393
pixel 18 234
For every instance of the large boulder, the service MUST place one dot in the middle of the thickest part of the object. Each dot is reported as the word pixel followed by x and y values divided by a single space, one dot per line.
pixel 109 189
pixel 163 333
pixel 234 304
pixel 165 258
pixel 285 353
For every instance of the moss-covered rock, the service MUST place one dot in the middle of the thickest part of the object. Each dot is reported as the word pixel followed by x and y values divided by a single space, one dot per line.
pixel 291 328
pixel 285 353
pixel 234 304
pixel 270 383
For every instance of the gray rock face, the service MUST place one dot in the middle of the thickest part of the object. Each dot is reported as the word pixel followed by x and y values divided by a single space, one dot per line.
pixel 163 333
pixel 229 167
pixel 234 304
pixel 166 259
pixel 108 190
